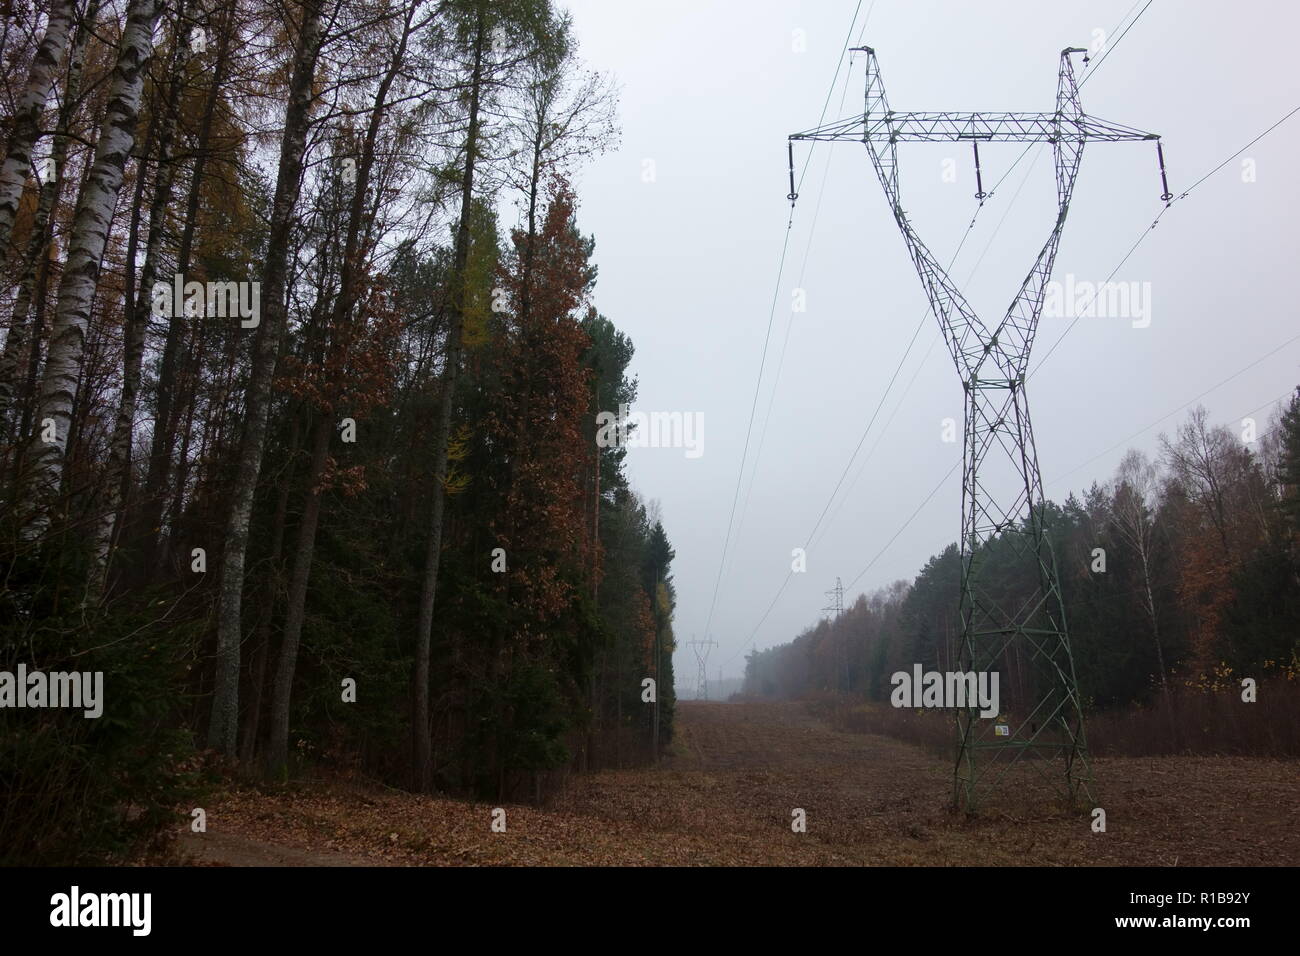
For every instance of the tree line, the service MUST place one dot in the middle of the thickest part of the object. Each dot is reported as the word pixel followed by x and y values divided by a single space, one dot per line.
pixel 1179 574
pixel 298 395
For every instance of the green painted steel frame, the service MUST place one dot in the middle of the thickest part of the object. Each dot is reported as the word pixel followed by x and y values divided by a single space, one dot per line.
pixel 1042 726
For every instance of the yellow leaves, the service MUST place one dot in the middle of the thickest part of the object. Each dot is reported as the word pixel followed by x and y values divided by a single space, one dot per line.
pixel 478 292
pixel 474 332
pixel 457 450
pixel 456 483
pixel 458 444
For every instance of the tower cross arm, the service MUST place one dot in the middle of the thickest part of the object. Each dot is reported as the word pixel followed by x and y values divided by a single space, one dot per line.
pixel 988 127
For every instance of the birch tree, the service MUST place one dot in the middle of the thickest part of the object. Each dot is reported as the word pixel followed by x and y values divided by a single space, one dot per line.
pixel 1138 486
pixel 20 337
pixel 136 306
pixel 27 116
pixel 90 228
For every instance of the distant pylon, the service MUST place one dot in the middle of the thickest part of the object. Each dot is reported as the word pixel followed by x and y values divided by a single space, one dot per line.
pixel 836 598
pixel 702 675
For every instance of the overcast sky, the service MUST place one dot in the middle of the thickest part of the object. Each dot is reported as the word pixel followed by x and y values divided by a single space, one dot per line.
pixel 688 264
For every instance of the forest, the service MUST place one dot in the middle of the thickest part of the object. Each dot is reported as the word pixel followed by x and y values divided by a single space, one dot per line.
pixel 298 394
pixel 1180 577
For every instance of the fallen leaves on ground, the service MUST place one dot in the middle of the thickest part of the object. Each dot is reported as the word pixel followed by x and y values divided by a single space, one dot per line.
pixel 727 797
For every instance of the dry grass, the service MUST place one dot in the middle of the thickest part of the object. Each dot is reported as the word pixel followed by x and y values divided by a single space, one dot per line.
pixel 726 798
pixel 1205 720
pixel 1201 721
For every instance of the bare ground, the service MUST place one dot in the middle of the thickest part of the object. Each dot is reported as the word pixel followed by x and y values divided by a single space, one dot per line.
pixel 727 794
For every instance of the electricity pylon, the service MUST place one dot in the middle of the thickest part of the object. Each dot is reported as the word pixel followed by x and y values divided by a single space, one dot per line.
pixel 836 598
pixel 1002 491
pixel 702 676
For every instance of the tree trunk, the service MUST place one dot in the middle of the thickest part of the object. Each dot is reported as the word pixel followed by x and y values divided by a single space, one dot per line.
pixel 433 554
pixel 147 524
pixel 262 642
pixel 341 314
pixel 277 747
pixel 223 728
pixel 85 251
pixel 27 116
pixel 1160 652
pixel 135 322
pixel 13 359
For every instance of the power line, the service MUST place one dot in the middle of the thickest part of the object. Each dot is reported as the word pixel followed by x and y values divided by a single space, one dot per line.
pixel 910 518
pixel 936 488
pixel 1261 436
pixel 934 339
pixel 744 454
pixel 1187 404
pixel 812 230
pixel 1238 153
pixel 1110 47
pixel 785 246
pixel 1269 404
pixel 843 474
pixel 921 324
pixel 785 342
pixel 893 378
pixel 1169 205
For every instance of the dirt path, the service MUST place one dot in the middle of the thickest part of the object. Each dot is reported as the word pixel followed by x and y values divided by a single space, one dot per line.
pixel 728 795
pixel 231 849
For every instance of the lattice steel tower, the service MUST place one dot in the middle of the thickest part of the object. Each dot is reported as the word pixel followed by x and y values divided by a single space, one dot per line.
pixel 836 598
pixel 1019 630
pixel 702 675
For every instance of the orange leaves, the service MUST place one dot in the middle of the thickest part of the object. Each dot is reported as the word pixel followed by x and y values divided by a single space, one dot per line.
pixel 358 366
pixel 349 481
pixel 538 413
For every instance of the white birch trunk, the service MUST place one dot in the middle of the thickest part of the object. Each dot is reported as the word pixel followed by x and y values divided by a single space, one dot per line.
pixel 134 332
pixel 27 117
pixel 90 228
pixel 14 358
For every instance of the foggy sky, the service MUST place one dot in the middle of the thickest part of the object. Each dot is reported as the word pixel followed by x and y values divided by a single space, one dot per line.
pixel 710 91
